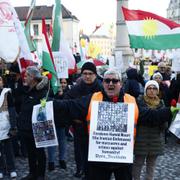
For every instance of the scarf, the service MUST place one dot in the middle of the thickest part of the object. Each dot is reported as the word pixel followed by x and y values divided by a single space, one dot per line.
pixel 152 102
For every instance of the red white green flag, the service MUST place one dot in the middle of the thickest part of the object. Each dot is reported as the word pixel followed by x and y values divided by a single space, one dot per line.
pixel 47 58
pixel 150 31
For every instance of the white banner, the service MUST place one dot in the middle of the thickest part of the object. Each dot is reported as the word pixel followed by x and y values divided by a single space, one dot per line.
pixel 43 125
pixel 61 64
pixel 111 132
pixel 9 43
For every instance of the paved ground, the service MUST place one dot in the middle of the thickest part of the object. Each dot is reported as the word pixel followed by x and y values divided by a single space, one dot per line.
pixel 168 166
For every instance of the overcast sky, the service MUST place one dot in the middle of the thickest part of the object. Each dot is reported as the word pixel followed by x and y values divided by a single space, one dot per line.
pixel 92 12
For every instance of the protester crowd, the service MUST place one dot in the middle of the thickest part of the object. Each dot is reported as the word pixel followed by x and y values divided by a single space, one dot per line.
pixel 154 99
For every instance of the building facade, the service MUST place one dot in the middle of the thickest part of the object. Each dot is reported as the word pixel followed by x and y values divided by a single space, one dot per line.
pixel 104 43
pixel 70 23
pixel 173 11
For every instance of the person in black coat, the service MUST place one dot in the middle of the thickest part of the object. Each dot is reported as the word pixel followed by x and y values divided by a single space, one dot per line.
pixel 175 87
pixel 61 125
pixel 132 85
pixel 87 85
pixel 79 109
pixel 34 90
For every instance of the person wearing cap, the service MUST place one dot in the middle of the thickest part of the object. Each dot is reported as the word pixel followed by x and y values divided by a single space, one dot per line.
pixel 150 128
pixel 81 109
pixel 164 92
pixel 35 88
pixel 88 84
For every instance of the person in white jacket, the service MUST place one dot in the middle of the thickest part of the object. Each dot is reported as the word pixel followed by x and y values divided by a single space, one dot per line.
pixel 7 131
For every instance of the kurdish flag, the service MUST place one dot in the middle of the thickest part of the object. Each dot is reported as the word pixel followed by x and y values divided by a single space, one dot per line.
pixel 150 31
pixel 47 58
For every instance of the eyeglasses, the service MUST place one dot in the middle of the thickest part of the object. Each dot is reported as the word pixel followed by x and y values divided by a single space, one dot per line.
pixel 152 88
pixel 157 77
pixel 114 81
pixel 87 74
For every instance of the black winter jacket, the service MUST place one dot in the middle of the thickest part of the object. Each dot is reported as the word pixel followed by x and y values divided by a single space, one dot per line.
pixel 83 89
pixel 30 98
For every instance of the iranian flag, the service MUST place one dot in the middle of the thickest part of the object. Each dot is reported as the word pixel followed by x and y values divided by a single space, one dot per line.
pixel 27 26
pixel 150 31
pixel 59 43
pixel 47 58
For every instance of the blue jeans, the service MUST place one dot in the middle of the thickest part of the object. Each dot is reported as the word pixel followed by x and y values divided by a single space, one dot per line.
pixel 61 136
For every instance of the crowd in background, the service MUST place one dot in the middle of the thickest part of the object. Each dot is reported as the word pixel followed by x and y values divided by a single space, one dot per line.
pixel 163 81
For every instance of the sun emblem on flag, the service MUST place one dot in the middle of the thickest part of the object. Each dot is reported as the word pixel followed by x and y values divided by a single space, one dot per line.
pixel 149 28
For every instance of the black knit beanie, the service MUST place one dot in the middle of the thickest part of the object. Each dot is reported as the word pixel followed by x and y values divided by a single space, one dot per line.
pixel 89 66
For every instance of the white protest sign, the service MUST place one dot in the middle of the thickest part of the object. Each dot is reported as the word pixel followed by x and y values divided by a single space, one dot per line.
pixel 111 132
pixel 119 60
pixel 43 126
pixel 61 64
pixel 176 60
pixel 175 126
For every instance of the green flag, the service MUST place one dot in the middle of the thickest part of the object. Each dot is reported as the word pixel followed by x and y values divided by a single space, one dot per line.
pixel 56 26
pixel 27 26
pixel 59 43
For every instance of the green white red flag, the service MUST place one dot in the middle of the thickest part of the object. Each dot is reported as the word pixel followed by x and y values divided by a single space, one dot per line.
pixel 150 31
pixel 47 58
pixel 27 25
pixel 59 44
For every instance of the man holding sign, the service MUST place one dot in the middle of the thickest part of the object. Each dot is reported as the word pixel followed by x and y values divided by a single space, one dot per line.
pixel 111 117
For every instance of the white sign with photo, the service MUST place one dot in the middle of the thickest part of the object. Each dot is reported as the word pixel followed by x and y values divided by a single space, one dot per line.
pixel 43 125
pixel 61 64
pixel 175 126
pixel 111 132
pixel 119 60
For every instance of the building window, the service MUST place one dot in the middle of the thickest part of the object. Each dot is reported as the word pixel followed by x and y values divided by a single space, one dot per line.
pixel 36 29
pixel 48 30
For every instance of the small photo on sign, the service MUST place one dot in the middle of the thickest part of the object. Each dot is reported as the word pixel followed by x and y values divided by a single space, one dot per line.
pixel 43 131
pixel 109 121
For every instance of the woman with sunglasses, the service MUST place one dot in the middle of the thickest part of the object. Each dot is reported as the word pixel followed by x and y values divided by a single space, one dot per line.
pixel 150 128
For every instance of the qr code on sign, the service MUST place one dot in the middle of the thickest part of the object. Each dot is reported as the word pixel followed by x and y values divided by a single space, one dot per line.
pixel 112 117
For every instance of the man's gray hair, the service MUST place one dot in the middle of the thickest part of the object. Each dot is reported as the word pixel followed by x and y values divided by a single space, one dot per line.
pixel 34 71
pixel 113 72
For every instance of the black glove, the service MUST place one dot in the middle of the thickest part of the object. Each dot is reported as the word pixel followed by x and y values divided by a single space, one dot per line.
pixel 12 132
